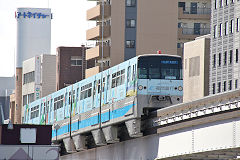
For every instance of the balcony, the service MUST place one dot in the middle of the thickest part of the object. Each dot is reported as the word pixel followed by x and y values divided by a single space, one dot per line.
pixel 198 13
pixel 192 33
pixel 96 52
pixel 91 71
pixel 95 13
pixel 95 70
pixel 96 32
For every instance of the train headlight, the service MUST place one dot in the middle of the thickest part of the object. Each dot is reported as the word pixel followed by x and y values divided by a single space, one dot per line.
pixel 180 88
pixel 140 87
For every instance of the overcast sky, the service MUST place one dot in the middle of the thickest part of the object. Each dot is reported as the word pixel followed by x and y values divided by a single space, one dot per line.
pixel 69 26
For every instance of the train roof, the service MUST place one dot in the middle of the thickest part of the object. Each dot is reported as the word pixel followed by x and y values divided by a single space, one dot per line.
pixel 158 55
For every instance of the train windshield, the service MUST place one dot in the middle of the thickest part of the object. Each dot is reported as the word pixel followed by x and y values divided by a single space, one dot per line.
pixel 160 67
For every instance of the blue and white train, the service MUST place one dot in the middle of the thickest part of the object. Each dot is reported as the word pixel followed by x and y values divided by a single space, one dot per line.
pixel 146 81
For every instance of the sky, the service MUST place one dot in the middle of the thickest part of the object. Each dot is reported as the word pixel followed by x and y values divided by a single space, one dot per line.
pixel 68 27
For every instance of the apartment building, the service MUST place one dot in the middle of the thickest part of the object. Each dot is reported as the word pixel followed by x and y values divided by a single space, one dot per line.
pixel 71 65
pixel 125 29
pixel 193 21
pixel 224 56
pixel 39 78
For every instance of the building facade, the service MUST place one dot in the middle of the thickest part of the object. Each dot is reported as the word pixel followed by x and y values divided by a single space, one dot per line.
pixel 196 69
pixel 71 65
pixel 225 37
pixel 125 29
pixel 7 86
pixel 39 78
pixel 33 38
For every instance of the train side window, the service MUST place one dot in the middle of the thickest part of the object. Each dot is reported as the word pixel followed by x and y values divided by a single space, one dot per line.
pixel 122 76
pixel 73 100
pixel 103 87
pixel 77 94
pixel 133 72
pixel 129 73
pixel 69 98
pixel 114 80
pixel 108 82
pixel 99 85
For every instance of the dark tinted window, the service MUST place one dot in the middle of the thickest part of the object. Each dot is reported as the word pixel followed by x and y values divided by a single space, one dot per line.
pixel 159 67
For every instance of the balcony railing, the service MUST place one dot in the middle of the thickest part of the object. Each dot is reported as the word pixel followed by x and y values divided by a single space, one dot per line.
pixel 189 10
pixel 195 31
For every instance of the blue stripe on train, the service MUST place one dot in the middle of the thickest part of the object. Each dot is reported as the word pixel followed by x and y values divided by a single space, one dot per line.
pixel 93 120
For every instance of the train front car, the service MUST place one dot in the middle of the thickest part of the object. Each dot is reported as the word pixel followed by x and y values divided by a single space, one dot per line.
pixel 160 81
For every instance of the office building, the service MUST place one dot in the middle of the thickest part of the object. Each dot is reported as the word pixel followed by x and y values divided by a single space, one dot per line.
pixel 224 57
pixel 133 27
pixel 71 65
pixel 33 38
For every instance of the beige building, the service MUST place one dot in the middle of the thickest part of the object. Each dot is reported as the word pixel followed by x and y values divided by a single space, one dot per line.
pixel 39 78
pixel 196 69
pixel 135 27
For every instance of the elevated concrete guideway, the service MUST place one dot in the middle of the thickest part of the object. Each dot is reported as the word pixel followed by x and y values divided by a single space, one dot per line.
pixel 208 128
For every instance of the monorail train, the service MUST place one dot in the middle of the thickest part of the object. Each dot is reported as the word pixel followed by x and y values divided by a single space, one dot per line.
pixel 146 81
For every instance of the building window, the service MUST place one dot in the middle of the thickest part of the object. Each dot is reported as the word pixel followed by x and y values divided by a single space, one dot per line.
pixel 29 77
pixel 220 29
pixel 219 87
pixel 226 28
pixel 24 100
pixel 224 85
pixel 232 26
pixel 237 25
pixel 225 58
pixel 226 2
pixel 232 1
pixel 130 3
pixel 215 4
pixel 219 59
pixel 236 84
pixel 215 31
pixel 230 85
pixel 130 23
pixel 220 3
pixel 182 5
pixel 130 44
pixel 236 55
pixel 213 88
pixel 76 61
pixel 230 57
pixel 214 60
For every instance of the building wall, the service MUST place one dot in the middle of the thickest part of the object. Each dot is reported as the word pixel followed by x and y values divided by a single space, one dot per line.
pixel 117 32
pixel 48 78
pixel 196 69
pixel 156 26
pixel 67 74
pixel 12 107
pixel 18 95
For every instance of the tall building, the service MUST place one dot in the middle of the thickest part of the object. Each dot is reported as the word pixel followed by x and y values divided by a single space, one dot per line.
pixel 71 65
pixel 193 21
pixel 6 88
pixel 196 68
pixel 225 37
pixel 39 78
pixel 33 38
pixel 129 28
